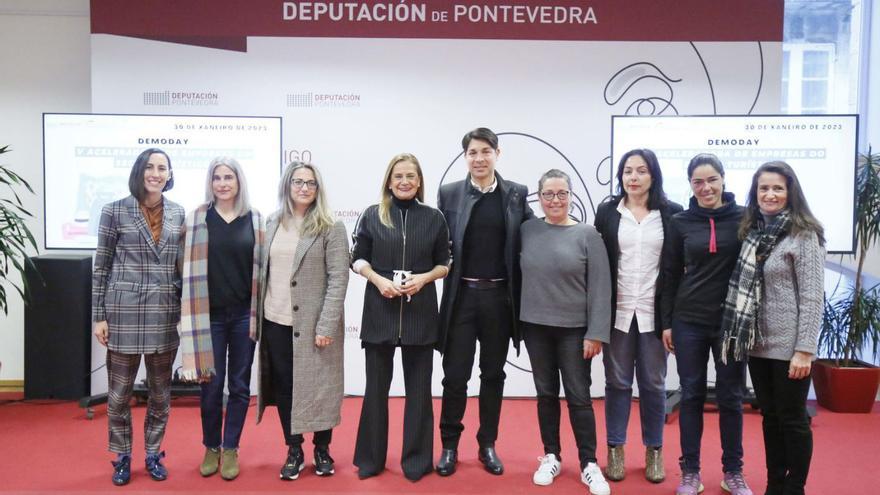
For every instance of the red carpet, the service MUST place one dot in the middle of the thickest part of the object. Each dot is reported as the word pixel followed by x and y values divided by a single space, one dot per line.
pixel 52 447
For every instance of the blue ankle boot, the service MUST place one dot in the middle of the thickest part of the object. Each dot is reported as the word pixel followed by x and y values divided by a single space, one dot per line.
pixel 155 468
pixel 121 470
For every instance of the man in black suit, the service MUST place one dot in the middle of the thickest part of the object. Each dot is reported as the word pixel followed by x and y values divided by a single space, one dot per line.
pixel 481 294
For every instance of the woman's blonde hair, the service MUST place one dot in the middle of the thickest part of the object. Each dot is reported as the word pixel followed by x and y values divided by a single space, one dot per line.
pixel 319 218
pixel 386 195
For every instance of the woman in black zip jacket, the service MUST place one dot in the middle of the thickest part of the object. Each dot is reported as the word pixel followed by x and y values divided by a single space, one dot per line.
pixel 401 247
pixel 697 263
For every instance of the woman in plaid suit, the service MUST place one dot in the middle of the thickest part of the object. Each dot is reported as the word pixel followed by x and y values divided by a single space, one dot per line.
pixel 136 305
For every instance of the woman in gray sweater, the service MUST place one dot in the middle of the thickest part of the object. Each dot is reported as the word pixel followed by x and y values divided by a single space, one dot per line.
pixel 566 318
pixel 773 312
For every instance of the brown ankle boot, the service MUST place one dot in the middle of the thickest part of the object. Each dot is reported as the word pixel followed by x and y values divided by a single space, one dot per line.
pixel 211 462
pixel 616 468
pixel 229 468
pixel 654 471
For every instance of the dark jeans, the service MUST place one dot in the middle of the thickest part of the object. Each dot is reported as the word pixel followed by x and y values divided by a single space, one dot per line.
pixel 229 336
pixel 643 355
pixel 371 447
pixel 693 343
pixel 555 350
pixel 788 440
pixel 482 315
pixel 279 342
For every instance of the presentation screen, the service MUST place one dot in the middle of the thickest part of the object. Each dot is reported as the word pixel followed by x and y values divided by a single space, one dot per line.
pixel 820 148
pixel 87 159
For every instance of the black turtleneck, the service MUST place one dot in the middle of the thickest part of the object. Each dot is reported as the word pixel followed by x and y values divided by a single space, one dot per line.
pixel 484 238
pixel 403 204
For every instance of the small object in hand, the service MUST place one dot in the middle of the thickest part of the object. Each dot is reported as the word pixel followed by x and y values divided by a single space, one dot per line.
pixel 399 280
pixel 400 276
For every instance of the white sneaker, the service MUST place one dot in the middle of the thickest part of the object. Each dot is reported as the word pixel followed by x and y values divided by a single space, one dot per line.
pixel 548 470
pixel 592 477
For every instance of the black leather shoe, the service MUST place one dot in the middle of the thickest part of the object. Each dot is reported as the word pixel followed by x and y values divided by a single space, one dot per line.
pixel 363 474
pixel 490 460
pixel 447 462
pixel 416 476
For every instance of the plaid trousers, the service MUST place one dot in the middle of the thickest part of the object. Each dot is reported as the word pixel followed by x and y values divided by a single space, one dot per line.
pixel 122 370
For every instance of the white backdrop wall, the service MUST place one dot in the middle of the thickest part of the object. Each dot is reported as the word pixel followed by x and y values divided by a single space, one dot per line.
pixel 44 48
pixel 46 45
pixel 349 104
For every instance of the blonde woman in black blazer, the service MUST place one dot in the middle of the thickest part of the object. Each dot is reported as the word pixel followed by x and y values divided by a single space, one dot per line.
pixel 400 233
pixel 136 305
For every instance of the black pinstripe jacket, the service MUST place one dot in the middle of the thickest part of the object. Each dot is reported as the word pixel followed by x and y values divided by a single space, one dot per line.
pixel 424 246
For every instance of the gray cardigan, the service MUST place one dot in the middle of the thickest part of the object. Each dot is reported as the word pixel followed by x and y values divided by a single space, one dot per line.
pixel 566 281
pixel 791 310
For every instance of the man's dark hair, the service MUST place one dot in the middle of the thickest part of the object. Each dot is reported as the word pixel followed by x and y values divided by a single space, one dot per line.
pixel 481 133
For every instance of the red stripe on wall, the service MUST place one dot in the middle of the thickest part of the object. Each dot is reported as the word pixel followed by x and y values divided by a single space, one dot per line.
pixel 585 20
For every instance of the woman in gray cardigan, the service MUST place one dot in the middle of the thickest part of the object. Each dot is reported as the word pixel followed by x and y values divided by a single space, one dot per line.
pixel 566 286
pixel 304 277
pixel 773 312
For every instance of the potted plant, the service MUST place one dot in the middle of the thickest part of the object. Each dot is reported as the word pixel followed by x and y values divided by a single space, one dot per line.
pixel 851 323
pixel 15 236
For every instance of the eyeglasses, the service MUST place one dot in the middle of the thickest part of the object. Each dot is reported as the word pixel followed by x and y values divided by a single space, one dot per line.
pixel 561 195
pixel 310 184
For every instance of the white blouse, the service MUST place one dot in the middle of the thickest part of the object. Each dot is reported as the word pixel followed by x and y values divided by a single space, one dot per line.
pixel 638 268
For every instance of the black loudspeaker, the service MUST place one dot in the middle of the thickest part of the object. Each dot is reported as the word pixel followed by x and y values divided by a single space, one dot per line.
pixel 57 328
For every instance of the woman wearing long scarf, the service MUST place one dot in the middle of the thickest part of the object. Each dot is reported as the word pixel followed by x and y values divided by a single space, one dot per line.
pixel 773 312
pixel 221 280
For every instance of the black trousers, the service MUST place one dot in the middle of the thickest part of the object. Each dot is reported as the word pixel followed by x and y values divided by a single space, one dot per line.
pixel 788 440
pixel 279 341
pixel 371 448
pixel 482 315
pixel 555 350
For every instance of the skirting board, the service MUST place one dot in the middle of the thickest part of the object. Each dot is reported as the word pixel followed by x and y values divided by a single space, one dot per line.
pixel 11 385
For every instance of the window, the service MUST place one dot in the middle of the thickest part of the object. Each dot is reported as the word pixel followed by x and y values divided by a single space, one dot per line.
pixel 820 56
pixel 807 79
